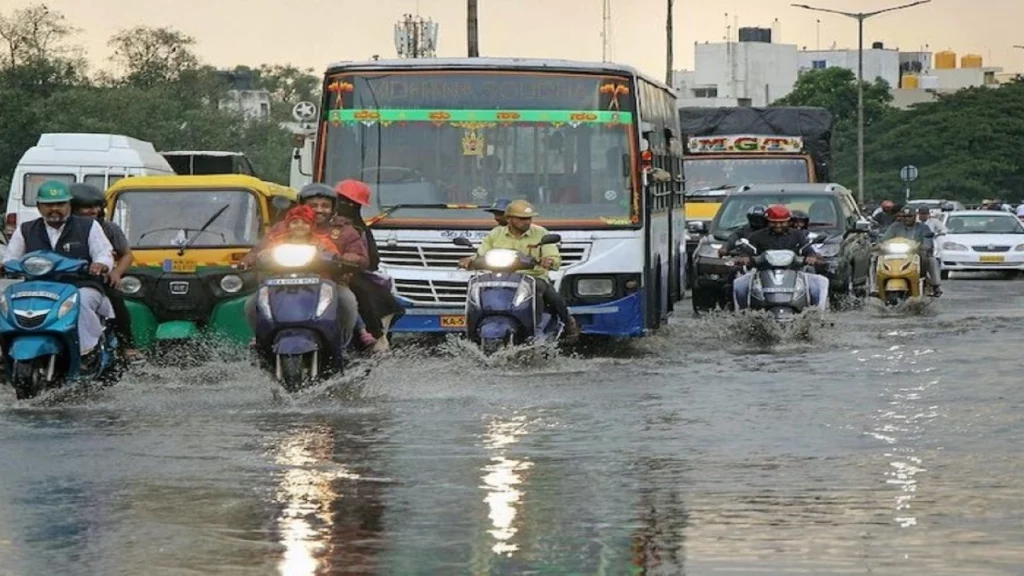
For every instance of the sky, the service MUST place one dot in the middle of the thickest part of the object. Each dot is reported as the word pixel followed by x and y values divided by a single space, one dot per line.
pixel 314 33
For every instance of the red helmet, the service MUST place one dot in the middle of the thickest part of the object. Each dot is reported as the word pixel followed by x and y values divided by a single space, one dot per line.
pixel 778 213
pixel 888 205
pixel 354 190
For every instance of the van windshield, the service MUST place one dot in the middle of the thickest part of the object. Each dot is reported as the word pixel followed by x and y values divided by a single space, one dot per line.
pixel 32 182
pixel 166 219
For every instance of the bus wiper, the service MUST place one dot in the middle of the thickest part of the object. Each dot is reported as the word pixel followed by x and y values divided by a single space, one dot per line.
pixel 186 245
pixel 392 209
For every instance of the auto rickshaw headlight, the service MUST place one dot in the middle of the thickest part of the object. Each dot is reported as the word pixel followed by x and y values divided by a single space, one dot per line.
pixel 130 285
pixel 231 283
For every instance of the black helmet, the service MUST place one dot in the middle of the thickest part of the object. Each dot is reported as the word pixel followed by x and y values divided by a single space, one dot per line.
pixel 86 196
pixel 800 216
pixel 756 217
pixel 948 207
pixel 317 190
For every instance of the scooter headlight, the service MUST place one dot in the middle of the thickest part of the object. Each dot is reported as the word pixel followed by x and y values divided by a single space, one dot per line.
pixel 67 306
pixel 501 258
pixel 293 255
pixel 231 283
pixel 263 303
pixel 36 266
pixel 326 297
pixel 523 293
pixel 898 248
pixel 130 285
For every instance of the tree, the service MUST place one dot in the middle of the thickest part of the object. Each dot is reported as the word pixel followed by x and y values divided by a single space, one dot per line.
pixel 152 56
pixel 33 34
pixel 835 89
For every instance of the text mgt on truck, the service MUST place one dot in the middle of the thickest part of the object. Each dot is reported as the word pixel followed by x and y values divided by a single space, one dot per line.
pixel 437 139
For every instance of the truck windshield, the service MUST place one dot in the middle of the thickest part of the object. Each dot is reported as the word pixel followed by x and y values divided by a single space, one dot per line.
pixel 561 141
pixel 709 172
pixel 170 219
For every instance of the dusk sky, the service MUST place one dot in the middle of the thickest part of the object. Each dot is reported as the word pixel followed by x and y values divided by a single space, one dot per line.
pixel 317 32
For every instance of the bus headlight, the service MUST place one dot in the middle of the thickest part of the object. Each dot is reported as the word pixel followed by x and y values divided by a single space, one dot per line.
pixel 595 287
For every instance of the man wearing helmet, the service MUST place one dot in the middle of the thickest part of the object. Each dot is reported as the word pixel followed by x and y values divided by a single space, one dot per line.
pixel 907 226
pixel 799 220
pixel 523 235
pixel 498 209
pixel 755 221
pixel 779 236
pixel 72 237
pixel 87 201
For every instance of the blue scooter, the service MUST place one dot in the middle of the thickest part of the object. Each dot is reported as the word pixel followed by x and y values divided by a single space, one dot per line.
pixel 297 334
pixel 502 305
pixel 39 326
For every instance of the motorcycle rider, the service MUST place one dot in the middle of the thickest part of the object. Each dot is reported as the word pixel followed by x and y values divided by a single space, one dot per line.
pixel 779 236
pixel 908 227
pixel 523 235
pixel 498 209
pixel 885 215
pixel 72 237
pixel 799 220
pixel 924 216
pixel 88 201
pixel 755 221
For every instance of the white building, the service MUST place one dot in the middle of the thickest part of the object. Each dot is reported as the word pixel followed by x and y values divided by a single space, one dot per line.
pixel 879 62
pixel 253 104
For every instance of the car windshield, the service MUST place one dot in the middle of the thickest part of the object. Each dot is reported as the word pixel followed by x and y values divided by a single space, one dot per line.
pixel 561 141
pixel 711 172
pixel 733 214
pixel 978 224
pixel 167 219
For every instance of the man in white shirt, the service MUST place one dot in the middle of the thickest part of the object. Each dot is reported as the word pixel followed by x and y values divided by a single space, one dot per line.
pixel 924 216
pixel 72 237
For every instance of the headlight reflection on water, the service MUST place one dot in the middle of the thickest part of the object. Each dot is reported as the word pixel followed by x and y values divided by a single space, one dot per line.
pixel 501 476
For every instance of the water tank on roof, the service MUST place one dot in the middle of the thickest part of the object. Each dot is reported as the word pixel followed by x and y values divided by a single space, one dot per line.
pixel 945 60
pixel 971 61
pixel 751 34
pixel 877 46
pixel 910 81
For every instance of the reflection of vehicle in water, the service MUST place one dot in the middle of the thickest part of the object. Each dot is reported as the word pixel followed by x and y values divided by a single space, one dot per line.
pixel 427 134
pixel 185 233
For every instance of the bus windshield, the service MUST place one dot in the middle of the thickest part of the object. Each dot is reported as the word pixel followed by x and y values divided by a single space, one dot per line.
pixel 711 172
pixel 559 140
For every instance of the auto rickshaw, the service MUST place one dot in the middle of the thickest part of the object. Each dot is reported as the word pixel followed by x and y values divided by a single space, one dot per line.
pixel 186 233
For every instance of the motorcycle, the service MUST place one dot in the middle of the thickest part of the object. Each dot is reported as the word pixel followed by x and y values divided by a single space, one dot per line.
pixel 297 334
pixel 502 305
pixel 898 271
pixel 39 326
pixel 779 284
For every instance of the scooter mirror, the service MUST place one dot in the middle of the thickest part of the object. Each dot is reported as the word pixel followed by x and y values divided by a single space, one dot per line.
pixel 460 241
pixel 550 239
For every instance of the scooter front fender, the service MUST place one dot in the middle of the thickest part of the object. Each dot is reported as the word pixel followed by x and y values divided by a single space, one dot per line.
pixel 296 341
pixel 30 347
pixel 496 328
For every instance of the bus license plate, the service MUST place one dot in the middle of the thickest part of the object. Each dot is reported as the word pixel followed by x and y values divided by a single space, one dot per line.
pixel 180 266
pixel 453 321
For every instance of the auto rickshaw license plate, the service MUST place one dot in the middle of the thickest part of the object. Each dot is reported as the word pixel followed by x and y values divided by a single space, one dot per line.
pixel 453 321
pixel 180 266
pixel 990 258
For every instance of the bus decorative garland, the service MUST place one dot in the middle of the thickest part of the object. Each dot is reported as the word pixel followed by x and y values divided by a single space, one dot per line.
pixel 556 118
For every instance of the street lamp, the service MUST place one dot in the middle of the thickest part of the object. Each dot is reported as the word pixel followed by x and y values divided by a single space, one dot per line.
pixel 860 17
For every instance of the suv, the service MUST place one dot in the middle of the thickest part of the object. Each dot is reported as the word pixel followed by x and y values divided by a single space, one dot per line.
pixel 839 235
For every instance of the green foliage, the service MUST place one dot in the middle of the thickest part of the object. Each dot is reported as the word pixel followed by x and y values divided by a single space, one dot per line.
pixel 161 93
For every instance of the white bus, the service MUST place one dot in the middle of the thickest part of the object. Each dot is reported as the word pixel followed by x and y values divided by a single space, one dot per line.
pixel 439 139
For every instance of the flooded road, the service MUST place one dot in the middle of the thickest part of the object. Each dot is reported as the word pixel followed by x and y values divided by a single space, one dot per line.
pixel 882 444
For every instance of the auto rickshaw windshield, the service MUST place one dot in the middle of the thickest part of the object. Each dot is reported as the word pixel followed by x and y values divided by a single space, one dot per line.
pixel 199 218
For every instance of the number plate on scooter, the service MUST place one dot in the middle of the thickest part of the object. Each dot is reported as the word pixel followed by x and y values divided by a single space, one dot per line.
pixel 453 321
pixel 292 281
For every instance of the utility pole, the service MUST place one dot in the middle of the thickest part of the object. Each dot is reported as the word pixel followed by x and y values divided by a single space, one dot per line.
pixel 606 30
pixel 860 17
pixel 668 44
pixel 472 36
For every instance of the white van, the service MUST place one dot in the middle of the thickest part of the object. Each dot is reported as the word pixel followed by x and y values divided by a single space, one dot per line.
pixel 97 159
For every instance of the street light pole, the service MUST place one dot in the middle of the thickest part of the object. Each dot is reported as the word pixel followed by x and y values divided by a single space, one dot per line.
pixel 860 17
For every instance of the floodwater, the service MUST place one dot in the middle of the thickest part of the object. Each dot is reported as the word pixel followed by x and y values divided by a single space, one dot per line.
pixel 866 442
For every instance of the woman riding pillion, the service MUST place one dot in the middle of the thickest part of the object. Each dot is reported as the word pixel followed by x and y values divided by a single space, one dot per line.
pixel 88 201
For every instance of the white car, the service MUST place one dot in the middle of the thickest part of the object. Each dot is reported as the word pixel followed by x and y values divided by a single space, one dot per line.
pixel 981 240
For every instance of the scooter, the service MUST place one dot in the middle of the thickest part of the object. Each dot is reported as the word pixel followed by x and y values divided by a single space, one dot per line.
pixel 39 326
pixel 502 305
pixel 779 284
pixel 898 271
pixel 297 334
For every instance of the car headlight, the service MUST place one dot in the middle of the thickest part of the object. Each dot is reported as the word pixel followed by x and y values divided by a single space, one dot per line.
pixel 709 250
pixel 961 248
pixel 231 283
pixel 293 255
pixel 263 303
pixel 326 297
pixel 130 285
pixel 36 265
pixel 1018 248
pixel 501 258
pixel 827 250
pixel 595 287
pixel 67 306
pixel 523 293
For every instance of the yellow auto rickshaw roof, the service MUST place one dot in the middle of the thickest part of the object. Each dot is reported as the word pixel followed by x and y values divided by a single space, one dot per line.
pixel 218 181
